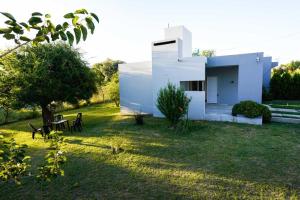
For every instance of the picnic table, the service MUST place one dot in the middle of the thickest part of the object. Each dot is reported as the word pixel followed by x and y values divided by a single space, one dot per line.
pixel 61 123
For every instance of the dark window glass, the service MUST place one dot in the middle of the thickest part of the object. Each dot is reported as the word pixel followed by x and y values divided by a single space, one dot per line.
pixel 164 43
pixel 192 85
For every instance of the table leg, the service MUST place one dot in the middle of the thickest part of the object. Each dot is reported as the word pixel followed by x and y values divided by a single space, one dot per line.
pixel 68 125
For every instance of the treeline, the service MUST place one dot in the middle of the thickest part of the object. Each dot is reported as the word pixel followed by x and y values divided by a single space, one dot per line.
pixel 285 81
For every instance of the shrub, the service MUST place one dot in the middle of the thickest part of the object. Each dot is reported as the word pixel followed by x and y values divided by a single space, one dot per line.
pixel 252 109
pixel 14 163
pixel 172 103
pixel 266 114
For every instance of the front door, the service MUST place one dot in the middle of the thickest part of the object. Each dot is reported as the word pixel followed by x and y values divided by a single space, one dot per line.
pixel 212 89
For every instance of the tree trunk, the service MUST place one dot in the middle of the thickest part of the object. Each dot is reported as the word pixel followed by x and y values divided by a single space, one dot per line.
pixel 47 115
pixel 6 115
pixel 102 92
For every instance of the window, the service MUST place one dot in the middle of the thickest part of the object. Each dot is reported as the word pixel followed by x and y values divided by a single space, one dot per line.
pixel 192 85
pixel 164 43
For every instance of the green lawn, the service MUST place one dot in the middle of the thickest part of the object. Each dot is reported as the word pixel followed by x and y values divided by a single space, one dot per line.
pixel 214 161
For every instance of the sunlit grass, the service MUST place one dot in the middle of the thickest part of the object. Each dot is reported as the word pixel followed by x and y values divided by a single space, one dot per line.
pixel 214 161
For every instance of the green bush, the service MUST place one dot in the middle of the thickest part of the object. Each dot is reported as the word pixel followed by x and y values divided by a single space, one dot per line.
pixel 252 109
pixel 172 103
pixel 266 114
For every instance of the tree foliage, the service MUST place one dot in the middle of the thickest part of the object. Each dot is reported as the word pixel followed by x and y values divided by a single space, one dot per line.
pixel 172 103
pixel 13 161
pixel 206 53
pixel 285 81
pixel 106 69
pixel 113 89
pixel 55 158
pixel 7 91
pixel 51 73
pixel 73 29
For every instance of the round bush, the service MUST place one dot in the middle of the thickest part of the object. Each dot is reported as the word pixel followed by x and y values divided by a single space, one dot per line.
pixel 252 109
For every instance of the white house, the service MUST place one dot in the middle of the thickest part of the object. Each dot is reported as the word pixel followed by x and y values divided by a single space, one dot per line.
pixel 214 84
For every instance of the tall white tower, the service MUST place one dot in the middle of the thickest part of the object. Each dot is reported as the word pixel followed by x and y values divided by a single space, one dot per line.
pixel 185 35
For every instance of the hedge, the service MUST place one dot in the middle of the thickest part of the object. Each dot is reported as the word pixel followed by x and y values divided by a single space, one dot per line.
pixel 252 109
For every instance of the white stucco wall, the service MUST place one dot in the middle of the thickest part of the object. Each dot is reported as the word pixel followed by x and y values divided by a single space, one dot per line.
pixel 171 70
pixel 136 87
pixel 197 106
pixel 184 34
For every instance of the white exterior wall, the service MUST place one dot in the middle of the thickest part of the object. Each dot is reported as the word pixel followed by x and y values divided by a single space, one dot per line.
pixel 184 34
pixel 135 87
pixel 166 68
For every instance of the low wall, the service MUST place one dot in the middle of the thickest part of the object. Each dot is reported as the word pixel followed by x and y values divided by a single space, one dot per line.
pixel 230 118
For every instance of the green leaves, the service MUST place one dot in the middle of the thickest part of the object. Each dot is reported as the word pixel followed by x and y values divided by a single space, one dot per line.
pixel 70 37
pixel 63 36
pixel 9 36
pixel 45 30
pixel 25 26
pixel 8 15
pixel 69 16
pixel 5 30
pixel 37 14
pixel 77 34
pixel 17 29
pixel 90 24
pixel 26 39
pixel 66 25
pixel 84 32
pixel 75 20
pixel 81 11
pixel 35 20
pixel 95 17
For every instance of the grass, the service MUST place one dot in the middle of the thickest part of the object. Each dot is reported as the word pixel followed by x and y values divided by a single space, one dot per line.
pixel 215 161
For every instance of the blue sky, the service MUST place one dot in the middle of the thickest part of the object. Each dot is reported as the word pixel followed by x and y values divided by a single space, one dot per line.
pixel 127 27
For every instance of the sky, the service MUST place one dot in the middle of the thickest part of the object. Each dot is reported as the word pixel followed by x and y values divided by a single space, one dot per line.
pixel 127 27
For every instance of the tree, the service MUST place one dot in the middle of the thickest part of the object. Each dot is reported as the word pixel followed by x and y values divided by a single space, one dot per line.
pixel 51 73
pixel 206 53
pixel 113 89
pixel 100 79
pixel 172 103
pixel 46 30
pixel 107 68
pixel 7 93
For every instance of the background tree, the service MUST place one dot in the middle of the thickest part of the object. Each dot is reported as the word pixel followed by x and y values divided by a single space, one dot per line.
pixel 206 53
pixel 45 30
pixel 7 90
pixel 104 72
pixel 51 73
pixel 113 89
pixel 107 68
pixel 285 81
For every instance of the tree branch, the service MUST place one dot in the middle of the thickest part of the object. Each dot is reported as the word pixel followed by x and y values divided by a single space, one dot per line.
pixel 13 49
